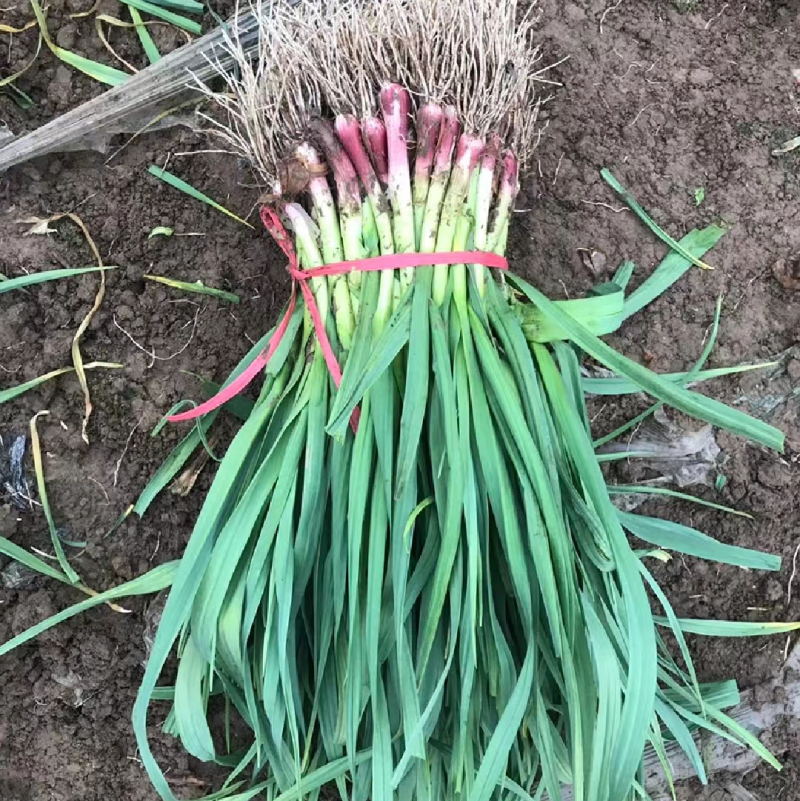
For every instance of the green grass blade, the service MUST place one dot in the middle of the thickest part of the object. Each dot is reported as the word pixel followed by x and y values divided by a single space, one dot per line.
pixel 13 392
pixel 645 218
pixel 682 702
pixel 492 768
pixel 645 489
pixel 24 101
pixel 362 346
pixel 676 537
pixel 721 694
pixel 189 6
pixel 198 286
pixel 22 556
pixel 376 570
pixel 677 633
pixel 630 425
pixel 148 45
pixel 154 580
pixel 178 183
pixel 381 748
pixel 608 685
pixel 417 735
pixel 48 275
pixel 170 467
pixel 732 731
pixel 690 403
pixel 683 737
pixel 730 628
pixel 622 386
pixel 696 243
pixel 94 69
pixel 659 748
pixel 159 230
pixel 358 503
pixel 602 458
pixel 312 781
pixel 709 346
pixel 384 352
pixel 601 314
pixel 640 679
pixel 167 16
pixel 188 578
pixel 233 541
pixel 501 389
pixel 40 484
pixel 445 396
pixel 622 276
pixel 189 703
pixel 415 395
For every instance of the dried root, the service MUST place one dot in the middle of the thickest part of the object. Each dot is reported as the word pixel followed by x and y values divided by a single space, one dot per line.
pixel 330 55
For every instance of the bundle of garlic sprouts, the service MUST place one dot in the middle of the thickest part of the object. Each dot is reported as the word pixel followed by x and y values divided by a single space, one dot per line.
pixel 441 600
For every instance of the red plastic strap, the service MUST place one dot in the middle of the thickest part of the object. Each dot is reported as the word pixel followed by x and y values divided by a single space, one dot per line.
pixel 400 261
pixel 300 278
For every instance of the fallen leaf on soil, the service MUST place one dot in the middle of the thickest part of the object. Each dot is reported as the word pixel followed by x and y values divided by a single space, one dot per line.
pixel 680 457
pixel 595 261
pixel 787 147
pixel 40 227
pixel 160 230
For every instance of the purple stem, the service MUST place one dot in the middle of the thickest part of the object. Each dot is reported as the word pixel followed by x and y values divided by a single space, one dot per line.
pixel 396 107
pixel 347 186
pixel 349 133
pixel 373 132
pixel 429 123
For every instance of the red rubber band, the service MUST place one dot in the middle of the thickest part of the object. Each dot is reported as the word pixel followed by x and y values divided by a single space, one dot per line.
pixel 397 261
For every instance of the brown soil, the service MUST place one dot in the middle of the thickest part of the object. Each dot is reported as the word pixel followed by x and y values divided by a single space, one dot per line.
pixel 671 94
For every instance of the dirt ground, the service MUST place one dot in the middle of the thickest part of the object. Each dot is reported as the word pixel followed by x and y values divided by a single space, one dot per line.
pixel 672 95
